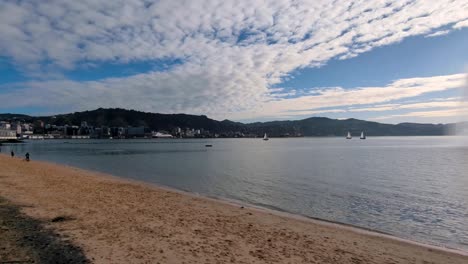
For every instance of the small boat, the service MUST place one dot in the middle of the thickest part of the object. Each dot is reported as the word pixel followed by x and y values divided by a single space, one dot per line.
pixel 208 145
pixel 349 135
pixel 265 137
pixel 363 136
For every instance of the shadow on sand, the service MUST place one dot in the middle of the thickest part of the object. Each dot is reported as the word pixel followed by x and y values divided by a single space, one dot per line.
pixel 26 240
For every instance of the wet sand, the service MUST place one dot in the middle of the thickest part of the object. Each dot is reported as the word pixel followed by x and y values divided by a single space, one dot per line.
pixel 118 221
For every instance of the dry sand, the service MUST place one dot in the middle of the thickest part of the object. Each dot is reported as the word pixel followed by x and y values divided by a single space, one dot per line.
pixel 119 221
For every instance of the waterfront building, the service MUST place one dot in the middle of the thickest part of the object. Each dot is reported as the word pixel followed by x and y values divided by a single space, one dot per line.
pixel 7 134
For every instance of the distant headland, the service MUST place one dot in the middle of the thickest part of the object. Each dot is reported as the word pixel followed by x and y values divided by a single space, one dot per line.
pixel 122 123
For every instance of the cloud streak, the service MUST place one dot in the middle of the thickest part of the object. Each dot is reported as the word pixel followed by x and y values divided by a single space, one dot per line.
pixel 339 97
pixel 139 92
pixel 438 33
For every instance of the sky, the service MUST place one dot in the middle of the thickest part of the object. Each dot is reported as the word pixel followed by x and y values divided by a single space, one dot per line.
pixel 386 61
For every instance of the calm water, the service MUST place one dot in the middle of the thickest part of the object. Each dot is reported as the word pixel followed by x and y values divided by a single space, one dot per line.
pixel 411 187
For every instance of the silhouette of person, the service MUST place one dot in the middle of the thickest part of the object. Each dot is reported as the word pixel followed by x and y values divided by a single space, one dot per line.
pixel 12 154
pixel 27 156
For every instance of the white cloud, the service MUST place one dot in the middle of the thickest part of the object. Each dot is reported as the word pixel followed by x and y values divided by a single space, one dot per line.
pixel 232 51
pixel 456 114
pixel 461 24
pixel 177 91
pixel 339 97
pixel 438 33
pixel 404 106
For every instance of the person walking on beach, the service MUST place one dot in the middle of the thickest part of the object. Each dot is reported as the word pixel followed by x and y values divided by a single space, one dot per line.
pixel 12 154
pixel 27 156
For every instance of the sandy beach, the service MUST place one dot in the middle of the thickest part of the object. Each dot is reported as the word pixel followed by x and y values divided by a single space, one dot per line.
pixel 117 221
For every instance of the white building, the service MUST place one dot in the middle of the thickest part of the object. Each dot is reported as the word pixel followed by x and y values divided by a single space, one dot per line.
pixel 19 130
pixel 5 125
pixel 161 135
pixel 7 134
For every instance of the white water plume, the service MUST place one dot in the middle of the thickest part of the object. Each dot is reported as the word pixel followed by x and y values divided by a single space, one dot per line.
pixel 461 128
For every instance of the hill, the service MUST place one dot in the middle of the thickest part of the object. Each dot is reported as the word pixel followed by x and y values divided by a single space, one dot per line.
pixel 314 126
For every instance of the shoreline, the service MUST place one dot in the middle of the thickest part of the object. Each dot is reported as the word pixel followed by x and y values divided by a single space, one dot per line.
pixel 264 219
pixel 18 141
pixel 274 211
pixel 283 213
pixel 265 209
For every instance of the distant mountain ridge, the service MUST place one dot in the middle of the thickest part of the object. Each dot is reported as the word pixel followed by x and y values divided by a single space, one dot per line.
pixel 313 126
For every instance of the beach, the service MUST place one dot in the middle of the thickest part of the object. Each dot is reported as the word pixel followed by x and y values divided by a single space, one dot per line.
pixel 112 220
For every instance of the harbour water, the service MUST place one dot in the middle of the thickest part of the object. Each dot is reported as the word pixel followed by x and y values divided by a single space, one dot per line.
pixel 410 187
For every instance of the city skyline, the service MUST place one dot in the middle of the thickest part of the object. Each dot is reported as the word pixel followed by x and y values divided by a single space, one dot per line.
pixel 257 61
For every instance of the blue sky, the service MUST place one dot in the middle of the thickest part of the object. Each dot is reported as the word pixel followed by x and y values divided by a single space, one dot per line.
pixel 9 72
pixel 414 56
pixel 398 62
